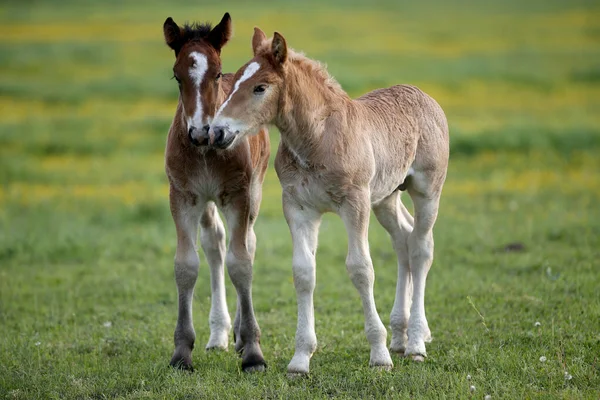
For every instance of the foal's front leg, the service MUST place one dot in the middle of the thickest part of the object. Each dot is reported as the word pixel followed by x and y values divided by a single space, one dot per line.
pixel 251 242
pixel 239 266
pixel 186 216
pixel 355 213
pixel 304 227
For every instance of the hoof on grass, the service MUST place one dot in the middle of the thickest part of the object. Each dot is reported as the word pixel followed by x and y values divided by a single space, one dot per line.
pixel 254 364
pixel 182 364
pixel 255 368
pixel 417 358
pixel 297 375
pixel 398 350
pixel 215 348
pixel 382 367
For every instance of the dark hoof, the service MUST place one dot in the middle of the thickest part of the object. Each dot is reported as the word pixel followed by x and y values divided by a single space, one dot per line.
pixel 254 363
pixel 256 368
pixel 182 363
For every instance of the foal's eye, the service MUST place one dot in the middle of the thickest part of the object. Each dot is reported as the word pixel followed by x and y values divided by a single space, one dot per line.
pixel 260 89
pixel 219 75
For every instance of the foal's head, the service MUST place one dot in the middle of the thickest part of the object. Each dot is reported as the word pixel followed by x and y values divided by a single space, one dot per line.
pixel 254 100
pixel 197 70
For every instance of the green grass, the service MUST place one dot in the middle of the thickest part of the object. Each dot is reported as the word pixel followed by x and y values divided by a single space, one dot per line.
pixel 87 295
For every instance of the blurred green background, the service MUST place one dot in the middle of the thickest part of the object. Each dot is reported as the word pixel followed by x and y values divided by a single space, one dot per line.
pixel 87 295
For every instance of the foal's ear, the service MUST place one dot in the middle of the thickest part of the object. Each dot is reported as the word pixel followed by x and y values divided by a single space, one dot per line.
pixel 258 39
pixel 279 48
pixel 220 34
pixel 173 34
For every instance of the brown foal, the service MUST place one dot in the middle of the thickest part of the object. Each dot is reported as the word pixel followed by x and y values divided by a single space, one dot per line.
pixel 204 177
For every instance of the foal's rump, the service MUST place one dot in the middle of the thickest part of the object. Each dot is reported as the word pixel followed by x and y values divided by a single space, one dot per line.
pixel 408 130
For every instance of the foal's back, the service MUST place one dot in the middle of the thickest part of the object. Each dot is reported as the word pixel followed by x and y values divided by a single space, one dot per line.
pixel 408 132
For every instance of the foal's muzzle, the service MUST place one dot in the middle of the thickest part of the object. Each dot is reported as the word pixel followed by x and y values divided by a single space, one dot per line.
pixel 198 137
pixel 218 137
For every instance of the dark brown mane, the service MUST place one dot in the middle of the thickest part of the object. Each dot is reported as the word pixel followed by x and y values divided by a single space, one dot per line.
pixel 195 31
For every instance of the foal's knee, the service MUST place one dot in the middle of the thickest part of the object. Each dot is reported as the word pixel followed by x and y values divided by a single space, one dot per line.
pixel 186 269
pixel 360 271
pixel 421 250
pixel 239 266
pixel 303 266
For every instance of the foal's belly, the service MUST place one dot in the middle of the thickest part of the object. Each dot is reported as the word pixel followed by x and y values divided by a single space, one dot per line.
pixel 324 195
pixel 207 188
pixel 384 184
pixel 326 190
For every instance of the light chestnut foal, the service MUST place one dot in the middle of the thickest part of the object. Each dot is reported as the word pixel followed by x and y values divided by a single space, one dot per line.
pixel 346 156
pixel 202 178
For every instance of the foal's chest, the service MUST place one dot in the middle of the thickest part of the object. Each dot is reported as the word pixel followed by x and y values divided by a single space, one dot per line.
pixel 206 185
pixel 311 191
pixel 310 186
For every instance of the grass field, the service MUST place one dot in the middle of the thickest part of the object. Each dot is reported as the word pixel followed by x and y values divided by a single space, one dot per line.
pixel 87 294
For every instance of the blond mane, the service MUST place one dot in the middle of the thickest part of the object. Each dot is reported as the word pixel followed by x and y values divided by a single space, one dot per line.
pixel 312 68
pixel 317 70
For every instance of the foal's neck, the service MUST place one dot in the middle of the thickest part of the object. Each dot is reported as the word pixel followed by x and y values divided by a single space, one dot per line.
pixel 310 99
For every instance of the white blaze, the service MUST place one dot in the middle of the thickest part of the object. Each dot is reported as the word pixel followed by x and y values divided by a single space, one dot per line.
pixel 248 72
pixel 197 71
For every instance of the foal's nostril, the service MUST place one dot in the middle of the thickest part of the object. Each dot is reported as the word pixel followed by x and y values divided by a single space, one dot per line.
pixel 219 134
pixel 194 141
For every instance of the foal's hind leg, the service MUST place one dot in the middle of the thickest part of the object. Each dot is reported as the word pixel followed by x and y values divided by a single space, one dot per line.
pixel 212 238
pixel 392 215
pixel 420 246
pixel 186 215
pixel 355 214
pixel 239 266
